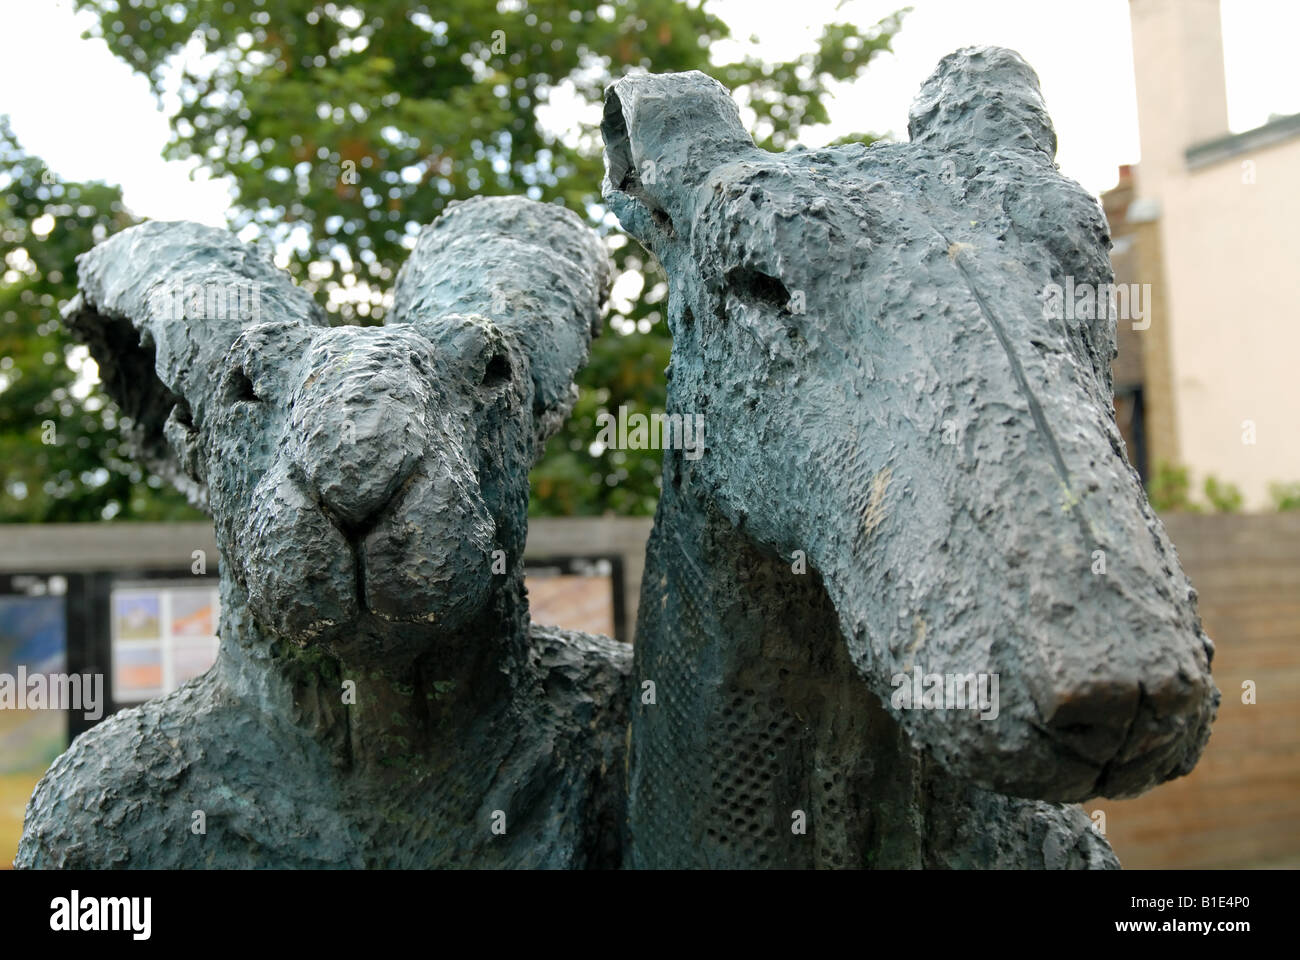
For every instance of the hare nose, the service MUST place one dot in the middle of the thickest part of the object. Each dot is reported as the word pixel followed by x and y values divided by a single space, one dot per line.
pixel 357 463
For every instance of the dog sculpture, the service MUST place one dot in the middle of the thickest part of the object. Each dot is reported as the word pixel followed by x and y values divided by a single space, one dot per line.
pixel 910 472
pixel 379 699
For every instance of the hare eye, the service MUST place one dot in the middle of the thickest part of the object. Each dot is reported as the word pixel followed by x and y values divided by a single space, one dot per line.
pixel 241 388
pixel 757 287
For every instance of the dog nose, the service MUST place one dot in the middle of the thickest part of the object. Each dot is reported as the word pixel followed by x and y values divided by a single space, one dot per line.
pixel 1137 724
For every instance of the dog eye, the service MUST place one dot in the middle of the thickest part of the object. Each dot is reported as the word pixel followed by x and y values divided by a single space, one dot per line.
pixel 497 371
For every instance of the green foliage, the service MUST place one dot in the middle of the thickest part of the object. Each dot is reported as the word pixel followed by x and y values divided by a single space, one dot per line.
pixel 59 443
pixel 346 128
pixel 1223 497
pixel 1169 489
pixel 628 372
pixel 1285 496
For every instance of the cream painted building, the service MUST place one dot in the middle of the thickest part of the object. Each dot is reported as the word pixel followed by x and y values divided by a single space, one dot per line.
pixel 1217 222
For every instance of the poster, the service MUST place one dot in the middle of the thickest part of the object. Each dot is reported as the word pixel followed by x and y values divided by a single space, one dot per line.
pixel 163 635
pixel 575 595
pixel 33 634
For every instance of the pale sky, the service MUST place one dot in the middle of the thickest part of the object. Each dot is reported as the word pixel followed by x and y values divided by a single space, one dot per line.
pixel 74 104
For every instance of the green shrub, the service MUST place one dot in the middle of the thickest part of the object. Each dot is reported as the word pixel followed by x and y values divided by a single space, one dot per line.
pixel 1286 496
pixel 1223 497
pixel 1169 489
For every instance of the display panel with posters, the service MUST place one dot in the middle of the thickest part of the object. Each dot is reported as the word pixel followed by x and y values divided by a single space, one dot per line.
pixel 162 636
pixel 33 637
pixel 164 632
pixel 577 593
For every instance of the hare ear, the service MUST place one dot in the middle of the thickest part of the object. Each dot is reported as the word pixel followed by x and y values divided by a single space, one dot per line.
pixel 663 135
pixel 159 305
pixel 535 270
pixel 982 97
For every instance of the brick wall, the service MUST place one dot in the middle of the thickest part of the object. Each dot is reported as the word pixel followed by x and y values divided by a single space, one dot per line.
pixel 1240 807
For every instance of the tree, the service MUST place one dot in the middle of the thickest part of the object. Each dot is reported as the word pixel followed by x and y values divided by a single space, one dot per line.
pixel 59 443
pixel 346 128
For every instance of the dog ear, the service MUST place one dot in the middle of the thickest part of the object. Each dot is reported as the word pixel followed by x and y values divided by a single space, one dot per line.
pixel 159 305
pixel 982 97
pixel 663 135
pixel 535 270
